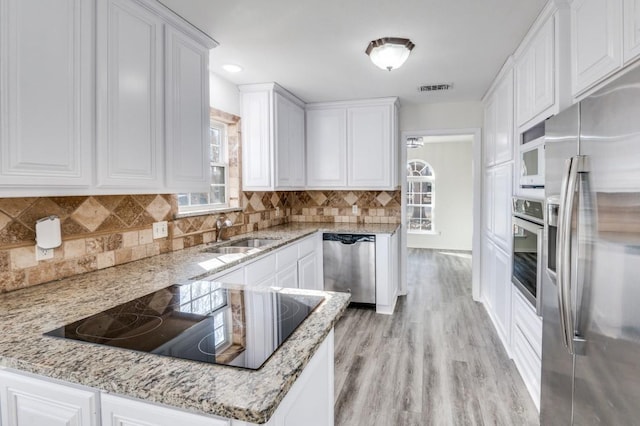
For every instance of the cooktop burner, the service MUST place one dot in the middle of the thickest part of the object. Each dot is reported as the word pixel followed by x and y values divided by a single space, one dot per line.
pixel 202 321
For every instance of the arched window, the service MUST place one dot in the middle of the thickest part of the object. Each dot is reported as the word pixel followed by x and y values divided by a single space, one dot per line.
pixel 420 196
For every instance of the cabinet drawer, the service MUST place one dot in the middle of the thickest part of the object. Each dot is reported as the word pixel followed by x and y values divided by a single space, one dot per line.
pixel 287 257
pixel 233 277
pixel 306 246
pixel 530 324
pixel 528 363
pixel 260 270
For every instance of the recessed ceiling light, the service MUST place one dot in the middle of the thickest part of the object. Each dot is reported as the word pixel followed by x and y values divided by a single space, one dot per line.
pixel 232 68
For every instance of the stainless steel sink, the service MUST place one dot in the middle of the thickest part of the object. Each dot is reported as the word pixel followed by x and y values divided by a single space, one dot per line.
pixel 253 242
pixel 228 250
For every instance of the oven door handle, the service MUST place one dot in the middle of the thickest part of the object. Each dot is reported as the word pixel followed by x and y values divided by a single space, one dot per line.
pixel 539 274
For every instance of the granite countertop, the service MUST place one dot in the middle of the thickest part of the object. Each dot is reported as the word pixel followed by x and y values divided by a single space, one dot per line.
pixel 246 395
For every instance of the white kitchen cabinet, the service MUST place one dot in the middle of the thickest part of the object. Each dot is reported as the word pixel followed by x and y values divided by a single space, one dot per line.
pixel 487 203
pixel 370 147
pixel 272 138
pixel 596 35
pixel 386 273
pixel 289 145
pixel 288 277
pixel 233 277
pixel 129 95
pixel 352 144
pixel 631 27
pixel 498 144
pixel 326 148
pixel 535 75
pixel 27 401
pixel 308 272
pixel 46 101
pixel 118 411
pixel 487 288
pixel 187 109
pixel 501 298
pixel 261 270
pixel 502 186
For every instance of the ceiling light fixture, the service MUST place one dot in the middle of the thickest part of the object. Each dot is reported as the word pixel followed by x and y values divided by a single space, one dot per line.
pixel 389 53
pixel 414 142
pixel 232 68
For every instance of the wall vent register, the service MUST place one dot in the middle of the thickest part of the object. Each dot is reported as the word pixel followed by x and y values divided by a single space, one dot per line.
pixel 203 321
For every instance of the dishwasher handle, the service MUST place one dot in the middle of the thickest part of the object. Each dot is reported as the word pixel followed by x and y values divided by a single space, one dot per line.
pixel 349 239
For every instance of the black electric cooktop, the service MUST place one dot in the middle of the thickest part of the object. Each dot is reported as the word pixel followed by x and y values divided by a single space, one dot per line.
pixel 201 321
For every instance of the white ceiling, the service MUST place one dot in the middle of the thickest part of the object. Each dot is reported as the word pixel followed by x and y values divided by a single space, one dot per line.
pixel 315 48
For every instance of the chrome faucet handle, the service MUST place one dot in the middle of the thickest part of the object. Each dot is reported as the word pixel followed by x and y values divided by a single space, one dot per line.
pixel 221 225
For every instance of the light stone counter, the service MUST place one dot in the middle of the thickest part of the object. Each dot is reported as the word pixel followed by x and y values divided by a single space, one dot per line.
pixel 246 395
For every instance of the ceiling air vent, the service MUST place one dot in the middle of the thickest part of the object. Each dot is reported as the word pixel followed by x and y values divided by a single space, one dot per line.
pixel 435 87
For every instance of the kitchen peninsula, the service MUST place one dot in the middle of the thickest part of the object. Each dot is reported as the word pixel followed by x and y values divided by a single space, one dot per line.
pixel 138 384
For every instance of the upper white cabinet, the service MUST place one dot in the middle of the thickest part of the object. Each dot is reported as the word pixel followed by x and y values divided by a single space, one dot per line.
pixel 498 146
pixel 352 145
pixel 129 96
pixel 131 67
pixel 327 148
pixel 596 41
pixel 272 138
pixel 631 30
pixel 535 70
pixel 187 109
pixel 26 401
pixel 46 100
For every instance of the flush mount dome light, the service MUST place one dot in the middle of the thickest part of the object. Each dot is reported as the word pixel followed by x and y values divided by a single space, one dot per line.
pixel 233 68
pixel 389 53
pixel 414 142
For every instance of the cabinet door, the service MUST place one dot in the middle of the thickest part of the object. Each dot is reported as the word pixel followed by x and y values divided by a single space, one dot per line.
pixel 596 31
pixel 524 86
pixel 289 143
pixel 256 141
pixel 487 288
pixel 504 120
pixel 257 272
pixel 129 100
pixel 487 202
pixel 187 113
pixel 117 411
pixel 47 97
pixel 502 295
pixel 288 277
pixel 502 182
pixel 327 148
pixel 308 273
pixel 631 29
pixel 26 401
pixel 234 277
pixel 489 143
pixel 543 68
pixel 370 147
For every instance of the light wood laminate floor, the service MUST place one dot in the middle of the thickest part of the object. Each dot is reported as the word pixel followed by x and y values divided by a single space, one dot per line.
pixel 436 361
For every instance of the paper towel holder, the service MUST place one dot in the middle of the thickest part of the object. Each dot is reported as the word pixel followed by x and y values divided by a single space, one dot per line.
pixel 48 235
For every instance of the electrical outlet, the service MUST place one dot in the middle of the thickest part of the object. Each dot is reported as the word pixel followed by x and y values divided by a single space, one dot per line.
pixel 160 230
pixel 277 211
pixel 354 209
pixel 43 254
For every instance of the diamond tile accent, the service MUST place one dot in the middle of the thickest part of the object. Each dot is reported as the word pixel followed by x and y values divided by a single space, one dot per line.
pixel 14 206
pixel 351 198
pixel 128 210
pixel 275 200
pixel 90 214
pixel 4 220
pixel 384 198
pixel 42 208
pixel 159 208
pixel 256 202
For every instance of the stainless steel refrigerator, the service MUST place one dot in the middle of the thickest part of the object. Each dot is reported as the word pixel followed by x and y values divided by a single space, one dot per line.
pixel 591 284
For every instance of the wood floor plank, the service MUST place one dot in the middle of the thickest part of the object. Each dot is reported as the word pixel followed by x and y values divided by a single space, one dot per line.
pixel 436 361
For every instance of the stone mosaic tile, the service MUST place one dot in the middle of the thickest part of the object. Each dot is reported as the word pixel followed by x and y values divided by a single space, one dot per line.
pixel 69 204
pixel 128 210
pixel 16 232
pixel 90 214
pixel 159 208
pixel 14 206
pixel 43 207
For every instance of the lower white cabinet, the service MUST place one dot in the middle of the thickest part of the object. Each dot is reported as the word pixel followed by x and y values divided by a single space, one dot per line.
pixel 386 273
pixel 308 272
pixel 27 401
pixel 496 288
pixel 118 411
pixel 288 277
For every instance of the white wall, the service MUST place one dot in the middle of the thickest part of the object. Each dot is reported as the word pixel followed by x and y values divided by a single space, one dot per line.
pixel 224 95
pixel 453 115
pixel 453 202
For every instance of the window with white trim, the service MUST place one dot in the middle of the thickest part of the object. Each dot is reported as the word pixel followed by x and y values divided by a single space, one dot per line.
pixel 420 197
pixel 218 195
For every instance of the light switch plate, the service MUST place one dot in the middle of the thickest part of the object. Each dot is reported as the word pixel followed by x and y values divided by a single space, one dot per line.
pixel 354 209
pixel 277 211
pixel 43 254
pixel 160 230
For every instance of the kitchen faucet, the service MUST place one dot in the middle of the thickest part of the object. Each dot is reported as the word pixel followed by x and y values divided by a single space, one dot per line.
pixel 220 226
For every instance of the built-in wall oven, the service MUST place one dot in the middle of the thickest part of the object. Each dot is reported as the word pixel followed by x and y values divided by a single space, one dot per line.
pixel 528 226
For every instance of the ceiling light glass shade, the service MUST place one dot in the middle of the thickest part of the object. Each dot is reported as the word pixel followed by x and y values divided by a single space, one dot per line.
pixel 413 142
pixel 233 68
pixel 389 53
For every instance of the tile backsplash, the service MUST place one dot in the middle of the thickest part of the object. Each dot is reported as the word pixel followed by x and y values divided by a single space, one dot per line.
pixel 103 231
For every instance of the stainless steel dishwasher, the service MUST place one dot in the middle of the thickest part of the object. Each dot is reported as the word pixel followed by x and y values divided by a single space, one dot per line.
pixel 350 265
